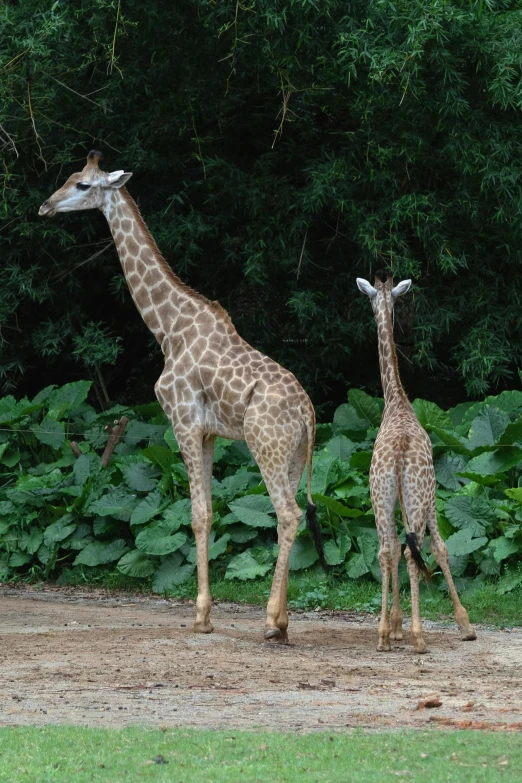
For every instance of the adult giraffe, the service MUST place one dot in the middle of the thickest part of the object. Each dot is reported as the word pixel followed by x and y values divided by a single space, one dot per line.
pixel 402 468
pixel 213 383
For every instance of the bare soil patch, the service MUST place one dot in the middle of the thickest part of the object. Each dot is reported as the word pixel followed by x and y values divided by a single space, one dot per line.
pixel 95 659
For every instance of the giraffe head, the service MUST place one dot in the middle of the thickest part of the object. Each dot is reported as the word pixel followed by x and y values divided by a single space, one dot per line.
pixel 89 189
pixel 383 293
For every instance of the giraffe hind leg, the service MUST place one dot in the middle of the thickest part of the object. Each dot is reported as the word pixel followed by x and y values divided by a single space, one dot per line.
pixel 416 514
pixel 295 471
pixel 440 553
pixel 281 464
pixel 396 616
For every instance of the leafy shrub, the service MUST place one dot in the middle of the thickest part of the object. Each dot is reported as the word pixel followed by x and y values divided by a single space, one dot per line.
pixel 287 145
pixel 59 511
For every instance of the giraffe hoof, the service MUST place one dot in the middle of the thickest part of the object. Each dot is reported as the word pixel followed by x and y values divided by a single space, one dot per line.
pixel 203 627
pixel 469 636
pixel 383 647
pixel 276 635
pixel 420 649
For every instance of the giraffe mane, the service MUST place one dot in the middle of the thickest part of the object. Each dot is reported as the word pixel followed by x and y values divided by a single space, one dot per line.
pixel 393 356
pixel 216 308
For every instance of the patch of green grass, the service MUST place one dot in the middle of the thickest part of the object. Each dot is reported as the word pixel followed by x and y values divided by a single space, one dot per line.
pixel 310 589
pixel 78 755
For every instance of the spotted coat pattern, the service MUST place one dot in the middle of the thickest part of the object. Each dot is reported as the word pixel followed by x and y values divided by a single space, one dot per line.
pixel 213 384
pixel 402 469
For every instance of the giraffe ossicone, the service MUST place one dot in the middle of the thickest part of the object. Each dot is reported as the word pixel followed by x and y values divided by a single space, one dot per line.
pixel 213 383
pixel 402 469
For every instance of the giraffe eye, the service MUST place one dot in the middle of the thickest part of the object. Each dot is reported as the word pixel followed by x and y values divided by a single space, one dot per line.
pixel 82 186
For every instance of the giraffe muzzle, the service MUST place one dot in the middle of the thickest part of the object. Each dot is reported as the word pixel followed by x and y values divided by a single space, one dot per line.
pixel 47 209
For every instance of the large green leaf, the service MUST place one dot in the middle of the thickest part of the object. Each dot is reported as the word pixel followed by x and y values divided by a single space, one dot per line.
pixel 457 443
pixel 81 537
pixel 50 432
pixel 171 573
pixel 515 493
pixel 347 420
pixel 302 555
pixel 179 514
pixel 512 434
pixel 446 468
pixel 457 413
pixel 30 540
pixel 498 461
pixel 368 409
pixel 64 401
pixel 136 564
pixel 59 530
pixel 369 546
pixel 117 503
pixel 233 485
pixel 82 469
pixel 462 542
pixel 508 401
pixel 487 427
pixel 254 510
pixel 148 508
pixel 218 547
pixel 156 540
pixel 101 552
pixel 11 456
pixel 510 579
pixel 8 409
pixel 340 447
pixel 335 551
pixel 471 512
pixel 18 559
pixel 138 431
pixel 140 476
pixel 170 440
pixel 504 547
pixel 245 566
pixel 336 506
pixel 356 566
pixel 430 415
pixel 240 533
pixel 159 455
pixel 324 472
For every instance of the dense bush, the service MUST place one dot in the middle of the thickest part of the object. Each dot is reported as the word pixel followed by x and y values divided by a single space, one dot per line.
pixel 279 149
pixel 59 511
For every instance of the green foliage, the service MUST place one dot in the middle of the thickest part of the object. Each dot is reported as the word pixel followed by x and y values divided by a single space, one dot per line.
pixel 58 512
pixel 292 146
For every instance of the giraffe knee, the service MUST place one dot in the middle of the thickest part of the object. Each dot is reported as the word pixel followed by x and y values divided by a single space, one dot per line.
pixel 384 556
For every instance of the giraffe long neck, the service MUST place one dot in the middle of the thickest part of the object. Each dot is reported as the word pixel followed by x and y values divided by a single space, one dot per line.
pixel 157 293
pixel 390 378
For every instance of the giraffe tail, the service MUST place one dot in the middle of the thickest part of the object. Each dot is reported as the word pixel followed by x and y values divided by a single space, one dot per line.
pixel 311 509
pixel 411 538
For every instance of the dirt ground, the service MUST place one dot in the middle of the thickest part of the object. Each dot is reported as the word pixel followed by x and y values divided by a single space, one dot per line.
pixel 95 659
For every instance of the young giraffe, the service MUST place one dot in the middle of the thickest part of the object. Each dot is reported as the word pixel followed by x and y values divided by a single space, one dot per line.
pixel 402 467
pixel 213 383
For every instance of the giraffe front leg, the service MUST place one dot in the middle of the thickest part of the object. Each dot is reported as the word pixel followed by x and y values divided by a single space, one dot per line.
pixel 198 459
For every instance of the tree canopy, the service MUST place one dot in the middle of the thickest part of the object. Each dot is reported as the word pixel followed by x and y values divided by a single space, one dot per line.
pixel 279 149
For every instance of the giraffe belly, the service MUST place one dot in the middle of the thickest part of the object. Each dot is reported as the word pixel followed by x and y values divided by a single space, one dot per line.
pixel 214 423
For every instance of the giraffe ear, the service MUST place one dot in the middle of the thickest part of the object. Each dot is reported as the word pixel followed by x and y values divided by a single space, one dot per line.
pixel 117 179
pixel 401 288
pixel 366 288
